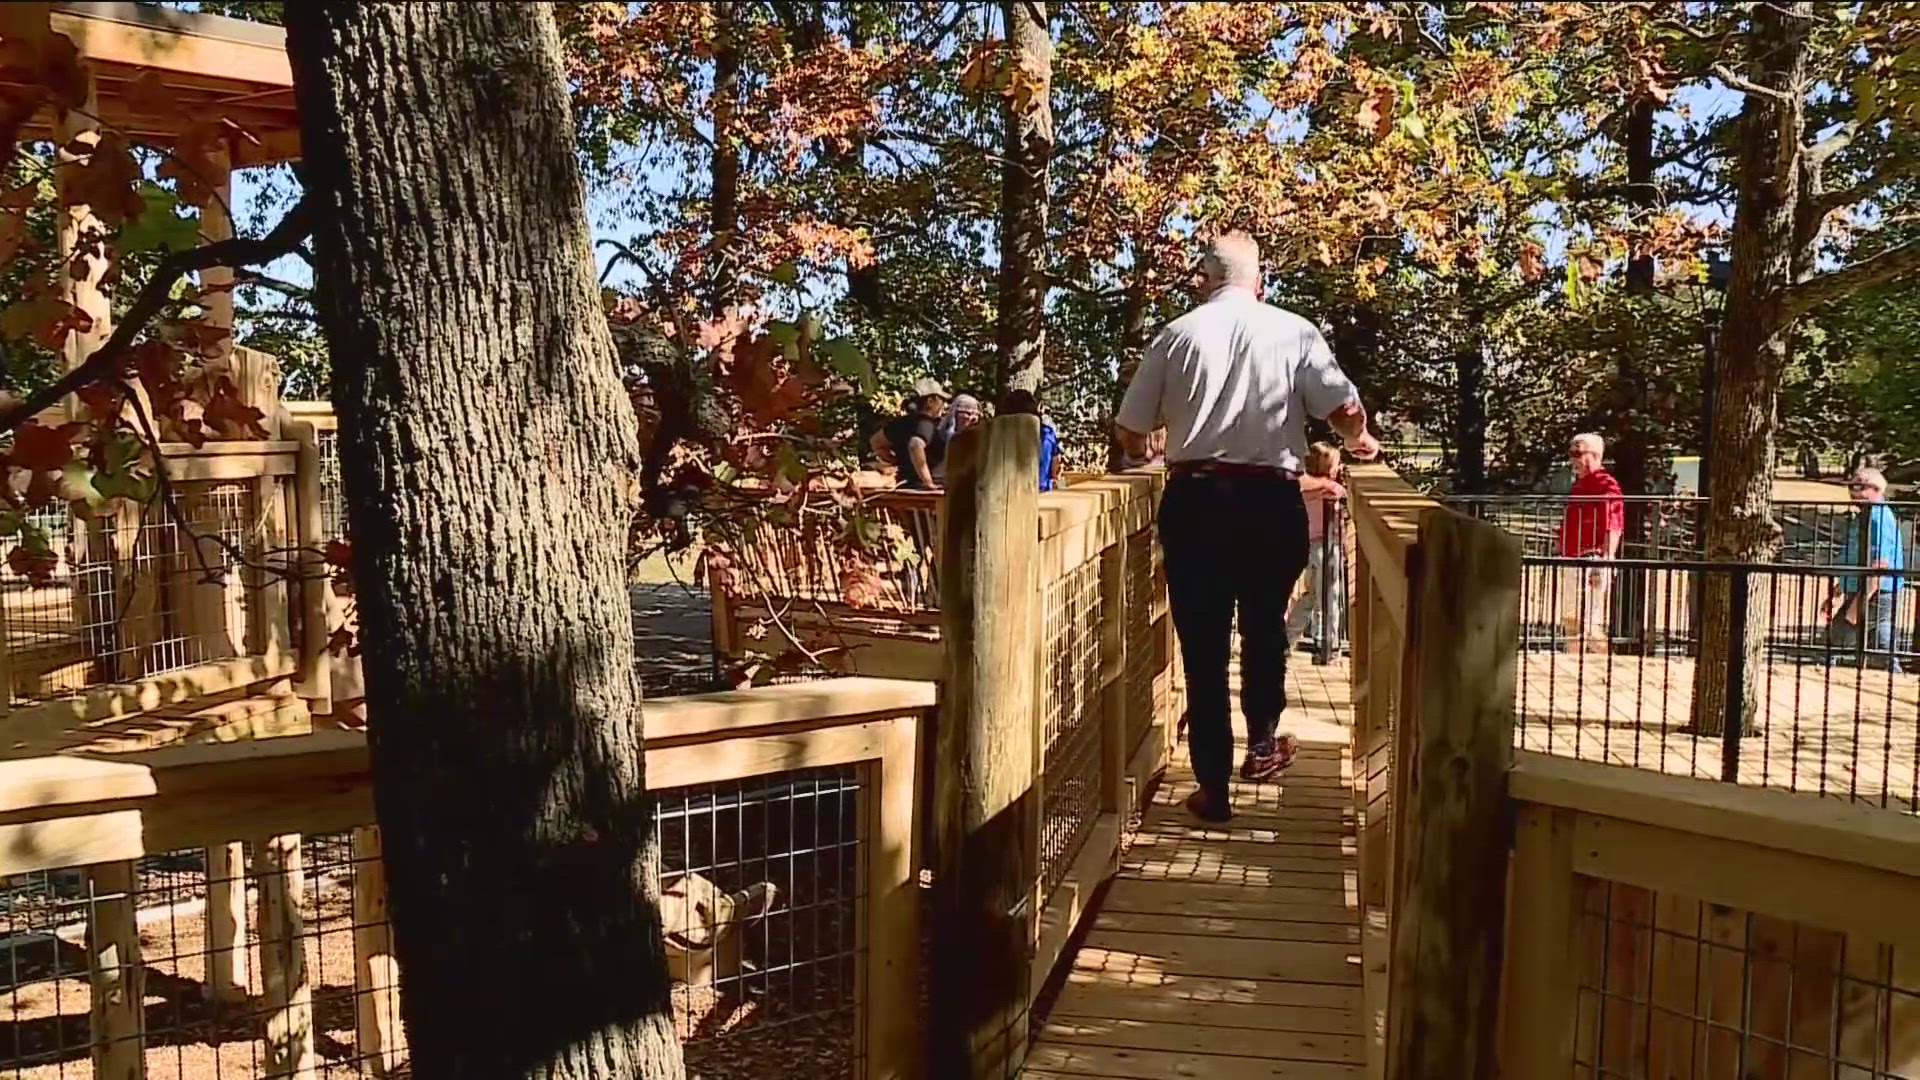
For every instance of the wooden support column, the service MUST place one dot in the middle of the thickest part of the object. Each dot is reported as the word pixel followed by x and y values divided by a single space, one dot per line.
pixel 118 1013
pixel 291 1050
pixel 227 922
pixel 984 860
pixel 1454 829
pixel 889 909
pixel 1116 749
pixel 379 1039
pixel 1543 960
pixel 313 674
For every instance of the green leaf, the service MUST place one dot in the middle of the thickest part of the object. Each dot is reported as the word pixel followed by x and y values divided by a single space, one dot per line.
pixel 787 336
pixel 788 466
pixel 1573 282
pixel 11 522
pixel 35 539
pixel 1414 126
pixel 77 485
pixel 158 225
pixel 123 484
pixel 845 356
pixel 787 273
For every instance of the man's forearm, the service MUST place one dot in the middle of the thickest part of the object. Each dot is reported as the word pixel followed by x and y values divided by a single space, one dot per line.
pixel 1131 441
pixel 1613 543
pixel 917 451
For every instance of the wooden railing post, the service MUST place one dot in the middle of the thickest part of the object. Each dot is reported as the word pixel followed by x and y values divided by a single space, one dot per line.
pixel 227 922
pixel 291 1050
pixel 313 675
pixel 1116 795
pixel 1542 982
pixel 1447 921
pixel 378 1036
pixel 983 801
pixel 118 1012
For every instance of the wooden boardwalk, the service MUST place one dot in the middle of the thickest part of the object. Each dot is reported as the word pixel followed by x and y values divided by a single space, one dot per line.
pixel 1229 952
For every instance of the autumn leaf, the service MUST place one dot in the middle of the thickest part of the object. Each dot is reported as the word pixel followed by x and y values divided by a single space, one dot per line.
pixel 1027 87
pixel 46 319
pixel 107 183
pixel 1532 263
pixel 1590 266
pixel 41 447
pixel 147 94
pixel 198 162
pixel 230 417
pixel 979 72
pixel 13 232
pixel 338 553
pixel 34 565
pixel 860 584
pixel 1375 114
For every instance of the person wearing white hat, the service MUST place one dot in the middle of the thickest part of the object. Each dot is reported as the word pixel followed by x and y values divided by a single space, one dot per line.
pixel 912 441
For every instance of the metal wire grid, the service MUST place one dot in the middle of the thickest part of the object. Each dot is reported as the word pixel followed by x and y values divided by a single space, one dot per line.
pixel 775 561
pixel 1671 986
pixel 133 595
pixel 189 1033
pixel 765 885
pixel 333 499
pixel 1142 661
pixel 1070 785
pixel 1829 716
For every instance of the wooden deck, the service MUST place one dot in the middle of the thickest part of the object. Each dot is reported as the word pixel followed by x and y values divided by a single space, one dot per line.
pixel 1838 731
pixel 1231 952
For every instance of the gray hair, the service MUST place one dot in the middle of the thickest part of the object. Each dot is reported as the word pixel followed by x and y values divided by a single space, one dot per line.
pixel 1588 440
pixel 1867 474
pixel 1232 259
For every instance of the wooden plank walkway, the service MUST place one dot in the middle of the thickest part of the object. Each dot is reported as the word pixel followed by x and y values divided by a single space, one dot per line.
pixel 1228 952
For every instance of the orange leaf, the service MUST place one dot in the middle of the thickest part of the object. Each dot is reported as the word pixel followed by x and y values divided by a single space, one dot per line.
pixel 28 564
pixel 339 553
pixel 232 418
pixel 107 183
pixel 1532 263
pixel 1375 114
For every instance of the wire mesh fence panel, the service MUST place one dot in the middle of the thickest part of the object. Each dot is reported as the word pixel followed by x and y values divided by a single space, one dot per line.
pixel 333 499
pixel 884 559
pixel 1070 714
pixel 1142 661
pixel 175 909
pixel 1671 986
pixel 1812 688
pixel 134 593
pixel 762 902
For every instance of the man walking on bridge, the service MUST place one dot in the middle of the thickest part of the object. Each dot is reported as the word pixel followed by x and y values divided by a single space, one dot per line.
pixel 1234 381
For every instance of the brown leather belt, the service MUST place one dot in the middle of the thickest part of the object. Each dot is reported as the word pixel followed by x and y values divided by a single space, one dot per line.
pixel 1232 468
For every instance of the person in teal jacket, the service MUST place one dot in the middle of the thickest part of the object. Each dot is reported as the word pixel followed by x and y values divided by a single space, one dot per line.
pixel 1862 605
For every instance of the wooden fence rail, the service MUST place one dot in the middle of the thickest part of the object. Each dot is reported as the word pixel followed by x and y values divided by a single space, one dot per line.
pixel 842 754
pixel 1531 916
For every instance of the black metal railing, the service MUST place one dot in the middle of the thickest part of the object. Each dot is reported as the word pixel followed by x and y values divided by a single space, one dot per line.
pixel 1782 675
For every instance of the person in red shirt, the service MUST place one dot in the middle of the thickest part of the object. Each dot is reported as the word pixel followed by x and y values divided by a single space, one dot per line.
pixel 1596 518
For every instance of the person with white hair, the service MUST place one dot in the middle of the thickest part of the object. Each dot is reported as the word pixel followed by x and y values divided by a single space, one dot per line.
pixel 1591 528
pixel 1859 605
pixel 962 414
pixel 1234 381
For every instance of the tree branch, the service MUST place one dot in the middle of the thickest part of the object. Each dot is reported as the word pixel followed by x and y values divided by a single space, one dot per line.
pixel 1799 299
pixel 103 363
pixel 1748 86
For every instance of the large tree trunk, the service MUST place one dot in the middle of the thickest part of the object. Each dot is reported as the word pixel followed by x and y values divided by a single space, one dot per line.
pixel 1754 343
pixel 1470 410
pixel 488 455
pixel 1028 148
pixel 1633 455
pixel 725 192
pixel 1133 348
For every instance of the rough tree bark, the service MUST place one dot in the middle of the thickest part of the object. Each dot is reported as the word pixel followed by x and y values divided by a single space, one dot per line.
pixel 1133 348
pixel 1028 150
pixel 1632 452
pixel 725 192
pixel 488 454
pixel 1754 342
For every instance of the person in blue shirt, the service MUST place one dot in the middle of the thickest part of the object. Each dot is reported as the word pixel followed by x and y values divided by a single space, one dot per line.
pixel 1050 461
pixel 1865 604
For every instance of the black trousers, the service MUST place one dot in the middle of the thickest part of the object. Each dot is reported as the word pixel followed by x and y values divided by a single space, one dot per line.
pixel 1232 543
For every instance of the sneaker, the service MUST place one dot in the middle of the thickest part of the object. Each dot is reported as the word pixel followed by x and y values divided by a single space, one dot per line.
pixel 1268 760
pixel 1209 808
